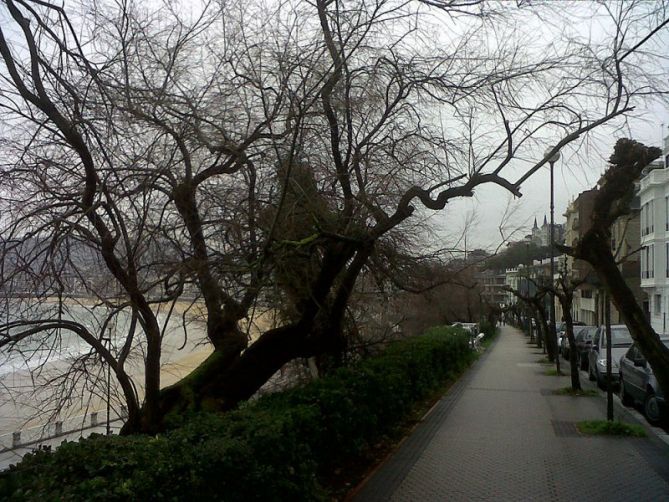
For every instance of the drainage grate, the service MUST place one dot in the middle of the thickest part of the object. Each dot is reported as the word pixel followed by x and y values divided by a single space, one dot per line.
pixel 565 429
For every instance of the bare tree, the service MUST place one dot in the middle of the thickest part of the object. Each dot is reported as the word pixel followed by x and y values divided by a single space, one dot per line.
pixel 536 302
pixel 613 201
pixel 564 292
pixel 244 152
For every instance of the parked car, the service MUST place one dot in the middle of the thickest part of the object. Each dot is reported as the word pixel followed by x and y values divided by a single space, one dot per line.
pixel 638 385
pixel 583 342
pixel 620 342
pixel 564 339
pixel 470 327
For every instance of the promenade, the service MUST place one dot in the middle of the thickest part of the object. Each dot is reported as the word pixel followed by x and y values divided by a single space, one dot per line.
pixel 501 433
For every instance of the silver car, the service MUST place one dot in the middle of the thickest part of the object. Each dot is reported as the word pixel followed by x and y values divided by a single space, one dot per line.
pixel 620 342
pixel 639 385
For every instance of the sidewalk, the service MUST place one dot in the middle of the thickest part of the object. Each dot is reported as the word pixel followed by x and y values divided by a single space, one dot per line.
pixel 500 434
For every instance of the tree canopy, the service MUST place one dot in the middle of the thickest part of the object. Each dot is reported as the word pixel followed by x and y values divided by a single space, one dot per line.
pixel 249 155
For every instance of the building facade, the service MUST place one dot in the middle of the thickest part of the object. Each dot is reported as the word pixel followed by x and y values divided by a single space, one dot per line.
pixel 493 284
pixel 541 235
pixel 578 221
pixel 654 232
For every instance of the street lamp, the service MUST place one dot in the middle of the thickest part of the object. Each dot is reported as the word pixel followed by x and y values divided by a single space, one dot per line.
pixel 552 160
pixel 108 341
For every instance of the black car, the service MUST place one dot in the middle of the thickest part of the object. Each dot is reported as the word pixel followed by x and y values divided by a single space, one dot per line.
pixel 639 386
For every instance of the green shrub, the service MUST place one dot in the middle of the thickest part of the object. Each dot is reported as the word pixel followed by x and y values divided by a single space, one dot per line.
pixel 275 448
pixel 488 329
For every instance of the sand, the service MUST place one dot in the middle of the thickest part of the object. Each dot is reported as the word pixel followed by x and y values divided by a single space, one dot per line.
pixel 180 356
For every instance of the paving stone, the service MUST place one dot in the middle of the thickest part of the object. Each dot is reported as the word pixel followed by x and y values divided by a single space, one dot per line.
pixel 501 434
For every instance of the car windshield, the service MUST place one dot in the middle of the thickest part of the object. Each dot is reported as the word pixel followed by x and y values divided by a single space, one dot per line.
pixel 585 333
pixel 620 337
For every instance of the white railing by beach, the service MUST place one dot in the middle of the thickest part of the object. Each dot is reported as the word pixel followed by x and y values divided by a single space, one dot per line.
pixel 71 425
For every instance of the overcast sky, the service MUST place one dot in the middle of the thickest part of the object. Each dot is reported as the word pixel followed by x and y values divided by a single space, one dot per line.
pixel 578 170
pixel 573 174
pixel 581 163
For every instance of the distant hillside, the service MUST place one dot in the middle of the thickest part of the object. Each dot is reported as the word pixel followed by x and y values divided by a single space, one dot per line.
pixel 517 253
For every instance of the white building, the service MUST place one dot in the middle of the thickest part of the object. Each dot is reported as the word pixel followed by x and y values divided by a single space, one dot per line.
pixel 512 281
pixel 654 200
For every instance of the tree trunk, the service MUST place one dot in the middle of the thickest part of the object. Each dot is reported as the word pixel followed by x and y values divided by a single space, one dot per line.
pixel 545 333
pixel 598 253
pixel 566 302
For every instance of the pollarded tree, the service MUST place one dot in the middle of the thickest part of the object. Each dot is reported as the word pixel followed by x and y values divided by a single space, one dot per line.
pixel 210 150
pixel 612 201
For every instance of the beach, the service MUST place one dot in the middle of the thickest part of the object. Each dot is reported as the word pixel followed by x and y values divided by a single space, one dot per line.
pixel 26 396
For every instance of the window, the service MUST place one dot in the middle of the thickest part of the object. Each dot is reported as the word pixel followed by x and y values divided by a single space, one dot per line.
pixel 648 262
pixel 666 213
pixel 647 218
pixel 651 218
pixel 586 293
pixel 657 304
pixel 666 254
pixel 651 261
pixel 644 219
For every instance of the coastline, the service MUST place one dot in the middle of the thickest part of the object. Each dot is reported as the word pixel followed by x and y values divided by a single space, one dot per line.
pixel 182 353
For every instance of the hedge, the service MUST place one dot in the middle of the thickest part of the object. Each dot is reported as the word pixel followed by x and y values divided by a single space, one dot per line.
pixel 276 448
pixel 488 329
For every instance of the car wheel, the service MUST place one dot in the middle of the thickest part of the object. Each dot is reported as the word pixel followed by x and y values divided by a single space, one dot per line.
pixel 591 375
pixel 651 408
pixel 600 381
pixel 625 398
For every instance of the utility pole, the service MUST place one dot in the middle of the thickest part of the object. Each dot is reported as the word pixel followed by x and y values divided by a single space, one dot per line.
pixel 108 342
pixel 609 387
pixel 552 332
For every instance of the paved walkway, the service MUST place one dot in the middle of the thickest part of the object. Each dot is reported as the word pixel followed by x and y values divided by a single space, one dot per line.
pixel 500 434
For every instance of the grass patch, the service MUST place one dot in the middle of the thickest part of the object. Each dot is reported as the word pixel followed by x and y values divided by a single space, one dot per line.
pixel 544 360
pixel 552 372
pixel 607 428
pixel 568 391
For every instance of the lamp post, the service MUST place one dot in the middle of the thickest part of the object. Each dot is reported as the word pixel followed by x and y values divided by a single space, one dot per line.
pixel 552 160
pixel 108 340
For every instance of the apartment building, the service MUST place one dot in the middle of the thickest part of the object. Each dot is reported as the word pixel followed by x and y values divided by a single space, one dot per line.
pixel 590 298
pixel 578 221
pixel 493 283
pixel 654 230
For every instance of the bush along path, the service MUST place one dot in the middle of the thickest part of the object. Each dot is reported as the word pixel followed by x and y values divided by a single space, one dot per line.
pixel 280 447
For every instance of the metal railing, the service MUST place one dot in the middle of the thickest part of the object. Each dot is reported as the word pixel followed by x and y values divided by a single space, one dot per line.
pixel 71 425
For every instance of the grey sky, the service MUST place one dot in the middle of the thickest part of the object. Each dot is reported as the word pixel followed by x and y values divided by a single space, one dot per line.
pixel 575 172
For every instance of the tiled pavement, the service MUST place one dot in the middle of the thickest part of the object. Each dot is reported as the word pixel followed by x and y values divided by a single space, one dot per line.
pixel 500 434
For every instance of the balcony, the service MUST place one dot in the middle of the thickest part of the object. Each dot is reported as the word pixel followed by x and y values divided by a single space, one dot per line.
pixel 655 175
pixel 587 304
